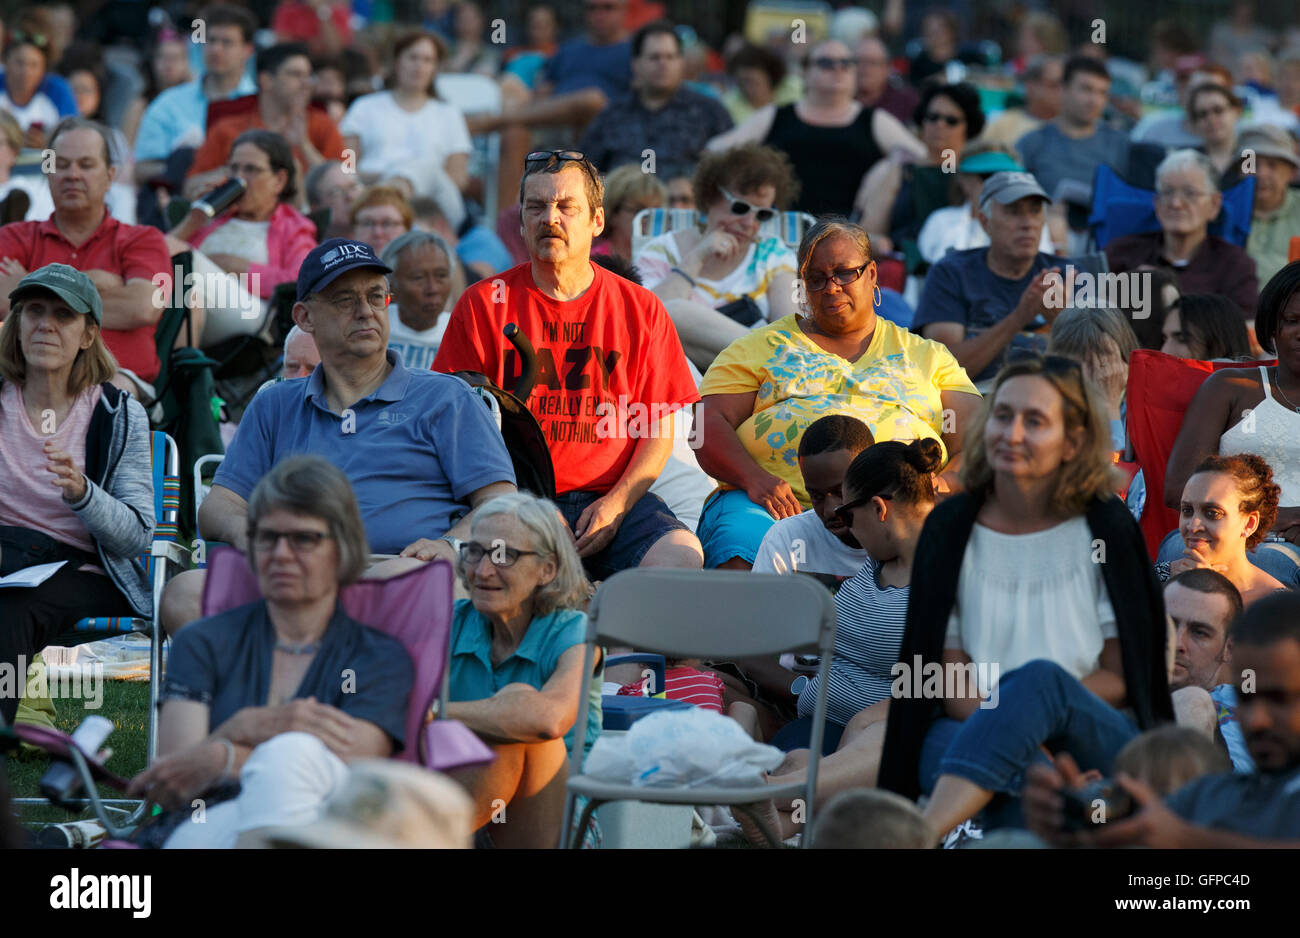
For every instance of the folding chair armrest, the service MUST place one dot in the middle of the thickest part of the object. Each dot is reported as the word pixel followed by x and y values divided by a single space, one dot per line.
pixel 170 550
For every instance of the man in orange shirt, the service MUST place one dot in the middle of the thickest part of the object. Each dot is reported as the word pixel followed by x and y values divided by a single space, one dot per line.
pixel 281 105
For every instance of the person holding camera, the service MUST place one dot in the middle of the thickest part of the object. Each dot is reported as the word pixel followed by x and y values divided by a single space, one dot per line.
pixel 1225 810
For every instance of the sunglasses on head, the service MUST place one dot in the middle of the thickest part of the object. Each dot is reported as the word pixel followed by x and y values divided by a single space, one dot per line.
pixel 18 37
pixel 546 157
pixel 740 207
pixel 949 119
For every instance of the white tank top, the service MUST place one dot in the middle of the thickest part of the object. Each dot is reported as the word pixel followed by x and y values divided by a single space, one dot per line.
pixel 1275 436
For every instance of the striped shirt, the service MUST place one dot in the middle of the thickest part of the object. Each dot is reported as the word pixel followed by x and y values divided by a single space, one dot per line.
pixel 867 638
pixel 697 688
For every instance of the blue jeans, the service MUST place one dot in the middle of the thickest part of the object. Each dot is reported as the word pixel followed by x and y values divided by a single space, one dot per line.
pixel 1279 559
pixel 1039 704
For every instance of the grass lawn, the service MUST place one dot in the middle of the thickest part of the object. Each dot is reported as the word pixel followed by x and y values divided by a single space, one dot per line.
pixel 126 704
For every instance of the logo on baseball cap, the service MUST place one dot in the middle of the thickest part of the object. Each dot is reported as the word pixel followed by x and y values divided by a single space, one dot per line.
pixel 329 259
pixel 68 284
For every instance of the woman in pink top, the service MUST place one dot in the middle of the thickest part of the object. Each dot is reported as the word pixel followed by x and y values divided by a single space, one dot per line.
pixel 75 481
pixel 261 239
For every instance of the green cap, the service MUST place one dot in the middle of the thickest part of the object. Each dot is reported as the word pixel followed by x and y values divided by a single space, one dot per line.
pixel 68 284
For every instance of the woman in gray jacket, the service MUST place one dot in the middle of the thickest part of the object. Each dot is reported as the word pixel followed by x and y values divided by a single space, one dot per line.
pixel 75 480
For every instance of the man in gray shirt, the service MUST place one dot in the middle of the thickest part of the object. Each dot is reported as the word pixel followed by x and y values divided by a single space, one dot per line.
pixel 1064 154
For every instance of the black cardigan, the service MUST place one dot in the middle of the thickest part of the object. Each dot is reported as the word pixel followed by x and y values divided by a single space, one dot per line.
pixel 1130 582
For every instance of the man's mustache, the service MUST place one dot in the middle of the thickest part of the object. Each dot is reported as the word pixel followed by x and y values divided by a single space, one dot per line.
pixel 551 233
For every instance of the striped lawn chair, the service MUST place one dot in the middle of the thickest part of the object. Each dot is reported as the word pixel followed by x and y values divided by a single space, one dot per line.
pixel 652 222
pixel 165 552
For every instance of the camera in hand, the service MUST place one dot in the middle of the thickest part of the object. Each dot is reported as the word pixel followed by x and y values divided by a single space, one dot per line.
pixel 221 198
pixel 1097 803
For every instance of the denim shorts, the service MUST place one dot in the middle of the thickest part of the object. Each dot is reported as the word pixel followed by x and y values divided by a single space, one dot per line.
pixel 646 522
pixel 732 526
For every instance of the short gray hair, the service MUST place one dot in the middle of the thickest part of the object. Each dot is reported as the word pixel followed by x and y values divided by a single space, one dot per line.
pixel 1189 159
pixel 551 538
pixel 309 485
pixel 414 238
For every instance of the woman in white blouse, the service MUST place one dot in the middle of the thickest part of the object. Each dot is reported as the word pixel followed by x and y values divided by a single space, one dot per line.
pixel 407 126
pixel 1034 594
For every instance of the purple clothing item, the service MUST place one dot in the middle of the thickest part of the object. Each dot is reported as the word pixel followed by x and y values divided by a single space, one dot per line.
pixel 1217 266
pixel 898 100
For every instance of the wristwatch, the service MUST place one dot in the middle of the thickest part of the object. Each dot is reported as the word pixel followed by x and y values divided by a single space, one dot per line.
pixel 455 543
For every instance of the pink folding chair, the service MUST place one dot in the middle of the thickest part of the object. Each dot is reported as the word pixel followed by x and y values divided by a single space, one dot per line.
pixel 415 609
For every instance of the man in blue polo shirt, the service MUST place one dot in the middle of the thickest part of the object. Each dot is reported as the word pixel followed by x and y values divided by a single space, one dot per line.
pixel 419 448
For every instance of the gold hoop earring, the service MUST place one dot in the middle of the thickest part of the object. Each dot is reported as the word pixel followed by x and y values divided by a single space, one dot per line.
pixel 876 294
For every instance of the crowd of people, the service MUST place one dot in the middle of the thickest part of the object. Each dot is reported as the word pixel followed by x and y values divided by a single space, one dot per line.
pixel 799 305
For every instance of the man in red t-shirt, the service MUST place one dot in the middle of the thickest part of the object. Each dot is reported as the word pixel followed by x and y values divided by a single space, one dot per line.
pixel 121 260
pixel 611 371
pixel 283 105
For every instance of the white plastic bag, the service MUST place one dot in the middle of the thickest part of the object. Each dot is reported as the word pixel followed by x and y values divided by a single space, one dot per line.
pixel 683 748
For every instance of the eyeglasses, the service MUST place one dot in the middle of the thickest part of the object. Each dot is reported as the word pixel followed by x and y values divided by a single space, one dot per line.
pixel 471 553
pixel 381 224
pixel 1187 195
pixel 740 207
pixel 934 117
pixel 243 170
pixel 300 542
pixel 349 303
pixel 816 283
pixel 826 63
pixel 845 512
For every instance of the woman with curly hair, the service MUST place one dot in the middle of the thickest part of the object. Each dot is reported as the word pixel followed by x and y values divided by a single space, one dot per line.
pixel 732 272
pixel 1229 503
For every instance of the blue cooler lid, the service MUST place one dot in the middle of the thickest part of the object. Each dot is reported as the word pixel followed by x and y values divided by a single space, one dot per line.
pixel 619 712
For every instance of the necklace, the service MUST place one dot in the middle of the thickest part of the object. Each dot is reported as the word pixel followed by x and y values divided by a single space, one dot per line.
pixel 1277 380
pixel 289 648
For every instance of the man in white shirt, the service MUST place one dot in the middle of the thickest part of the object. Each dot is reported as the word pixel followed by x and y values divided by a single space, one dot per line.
pixel 817 541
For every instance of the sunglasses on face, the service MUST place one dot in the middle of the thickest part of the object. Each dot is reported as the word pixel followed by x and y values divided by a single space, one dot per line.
pixel 815 283
pixel 826 63
pixel 740 207
pixel 18 38
pixel 949 119
pixel 845 512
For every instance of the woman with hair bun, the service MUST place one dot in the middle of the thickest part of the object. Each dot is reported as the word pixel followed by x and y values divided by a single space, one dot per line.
pixel 889 491
pixel 1229 503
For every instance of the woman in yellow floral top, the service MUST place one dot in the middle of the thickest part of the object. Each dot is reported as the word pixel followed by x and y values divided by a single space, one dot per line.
pixel 768 386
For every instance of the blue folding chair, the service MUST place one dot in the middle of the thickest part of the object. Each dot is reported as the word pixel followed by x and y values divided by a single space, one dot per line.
pixel 1120 208
pixel 164 552
pixel 652 222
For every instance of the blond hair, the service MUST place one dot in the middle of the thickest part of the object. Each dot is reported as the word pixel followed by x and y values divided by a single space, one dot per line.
pixel 1090 474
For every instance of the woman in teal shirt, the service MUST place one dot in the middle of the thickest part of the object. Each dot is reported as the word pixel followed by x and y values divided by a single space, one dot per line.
pixel 516 665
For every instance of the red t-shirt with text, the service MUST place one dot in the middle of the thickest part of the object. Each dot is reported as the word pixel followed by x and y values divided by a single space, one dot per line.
pixel 608 363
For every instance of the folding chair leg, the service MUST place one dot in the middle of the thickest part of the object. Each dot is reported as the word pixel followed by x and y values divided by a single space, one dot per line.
pixel 773 840
pixel 583 823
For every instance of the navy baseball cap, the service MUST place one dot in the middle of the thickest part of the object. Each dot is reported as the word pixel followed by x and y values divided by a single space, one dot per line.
pixel 331 258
